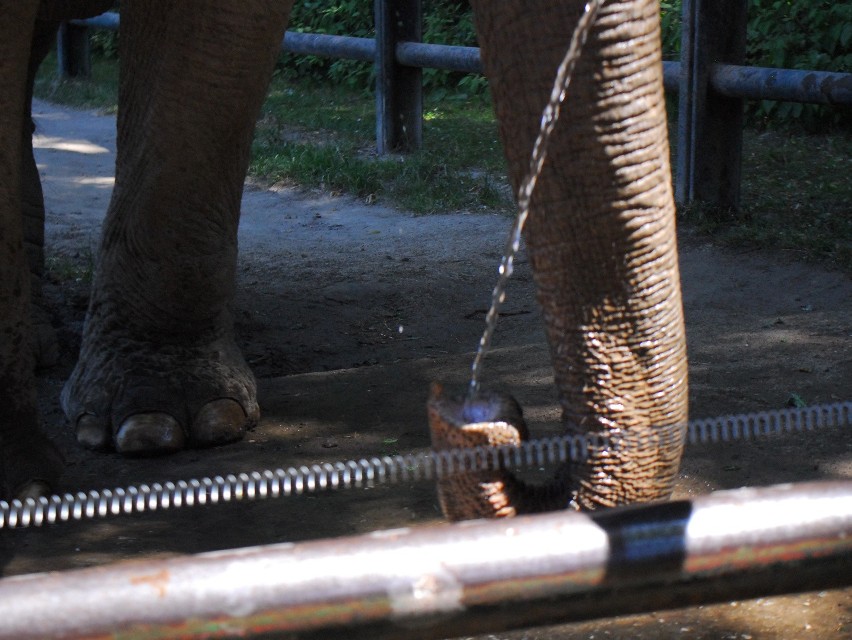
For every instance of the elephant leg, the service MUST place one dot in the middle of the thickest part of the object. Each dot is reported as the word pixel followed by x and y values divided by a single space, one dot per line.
pixel 45 343
pixel 159 369
pixel 601 233
pixel 29 463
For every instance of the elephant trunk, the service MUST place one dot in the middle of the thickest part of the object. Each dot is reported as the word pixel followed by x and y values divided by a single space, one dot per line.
pixel 601 232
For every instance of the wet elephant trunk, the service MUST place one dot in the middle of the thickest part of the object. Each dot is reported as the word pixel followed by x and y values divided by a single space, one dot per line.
pixel 601 235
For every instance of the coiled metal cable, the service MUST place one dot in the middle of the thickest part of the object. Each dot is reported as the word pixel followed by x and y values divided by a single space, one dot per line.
pixel 423 465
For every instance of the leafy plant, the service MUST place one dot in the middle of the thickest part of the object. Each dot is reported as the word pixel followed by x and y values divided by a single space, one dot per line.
pixel 670 27
pixel 444 22
pixel 799 34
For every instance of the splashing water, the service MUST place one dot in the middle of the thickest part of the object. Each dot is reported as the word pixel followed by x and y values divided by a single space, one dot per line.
pixel 539 153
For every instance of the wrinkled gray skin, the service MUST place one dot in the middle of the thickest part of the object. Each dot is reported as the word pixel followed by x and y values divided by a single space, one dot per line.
pixel 158 369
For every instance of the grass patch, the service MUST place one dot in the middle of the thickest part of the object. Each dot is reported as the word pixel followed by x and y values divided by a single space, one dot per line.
pixel 98 92
pixel 324 137
pixel 796 189
pixel 796 195
pixel 79 268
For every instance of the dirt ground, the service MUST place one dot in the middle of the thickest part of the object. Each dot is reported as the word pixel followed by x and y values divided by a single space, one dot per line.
pixel 347 311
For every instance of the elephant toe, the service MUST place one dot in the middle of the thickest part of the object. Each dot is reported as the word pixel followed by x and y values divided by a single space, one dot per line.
pixel 144 400
pixel 149 434
pixel 30 466
pixel 93 432
pixel 219 422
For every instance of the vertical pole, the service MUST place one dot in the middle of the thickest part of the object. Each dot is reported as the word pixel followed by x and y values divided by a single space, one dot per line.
pixel 399 89
pixel 72 51
pixel 710 126
pixel 686 93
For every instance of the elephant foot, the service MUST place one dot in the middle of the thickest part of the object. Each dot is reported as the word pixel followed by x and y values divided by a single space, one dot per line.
pixel 31 466
pixel 144 400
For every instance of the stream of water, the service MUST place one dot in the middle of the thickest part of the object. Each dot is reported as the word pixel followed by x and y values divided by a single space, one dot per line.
pixel 549 117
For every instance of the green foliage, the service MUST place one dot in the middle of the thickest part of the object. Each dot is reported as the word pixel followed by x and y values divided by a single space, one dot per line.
pixel 795 192
pixel 104 43
pixel 98 92
pixel 319 135
pixel 338 18
pixel 785 34
pixel 792 34
pixel 444 22
pixel 670 27
pixel 799 34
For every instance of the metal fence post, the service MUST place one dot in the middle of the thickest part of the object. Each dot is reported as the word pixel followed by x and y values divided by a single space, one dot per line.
pixel 710 125
pixel 72 51
pixel 399 89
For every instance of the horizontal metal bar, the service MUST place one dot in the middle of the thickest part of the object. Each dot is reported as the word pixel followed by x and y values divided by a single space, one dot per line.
pixel 411 54
pixel 319 44
pixel 671 75
pixel 439 56
pixel 753 83
pixel 109 20
pixel 761 83
pixel 464 578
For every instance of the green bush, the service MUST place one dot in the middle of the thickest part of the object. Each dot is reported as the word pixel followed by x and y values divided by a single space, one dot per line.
pixel 786 34
pixel 338 18
pixel 799 34
pixel 792 34
pixel 444 22
pixel 670 27
pixel 104 43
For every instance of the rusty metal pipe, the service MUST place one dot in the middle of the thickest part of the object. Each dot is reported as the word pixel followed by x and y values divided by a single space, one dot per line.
pixel 463 578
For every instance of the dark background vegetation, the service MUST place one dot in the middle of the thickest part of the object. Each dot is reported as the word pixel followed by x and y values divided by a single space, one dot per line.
pixel 789 34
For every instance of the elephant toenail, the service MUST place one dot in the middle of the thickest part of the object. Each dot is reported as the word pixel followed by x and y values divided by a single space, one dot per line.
pixel 219 422
pixel 92 432
pixel 146 434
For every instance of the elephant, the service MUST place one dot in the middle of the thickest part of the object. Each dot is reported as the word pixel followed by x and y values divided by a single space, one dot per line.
pixel 159 370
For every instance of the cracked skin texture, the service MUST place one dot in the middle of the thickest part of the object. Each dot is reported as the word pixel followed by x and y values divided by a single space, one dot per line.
pixel 158 369
pixel 601 242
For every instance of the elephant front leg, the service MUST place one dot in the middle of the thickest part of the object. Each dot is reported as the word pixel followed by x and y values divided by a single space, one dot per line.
pixel 28 463
pixel 159 369
pixel 45 342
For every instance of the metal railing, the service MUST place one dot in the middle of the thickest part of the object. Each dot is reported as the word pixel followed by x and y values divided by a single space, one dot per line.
pixel 462 579
pixel 710 79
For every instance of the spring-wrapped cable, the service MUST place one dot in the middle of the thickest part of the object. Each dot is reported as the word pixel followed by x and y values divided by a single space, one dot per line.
pixel 422 465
